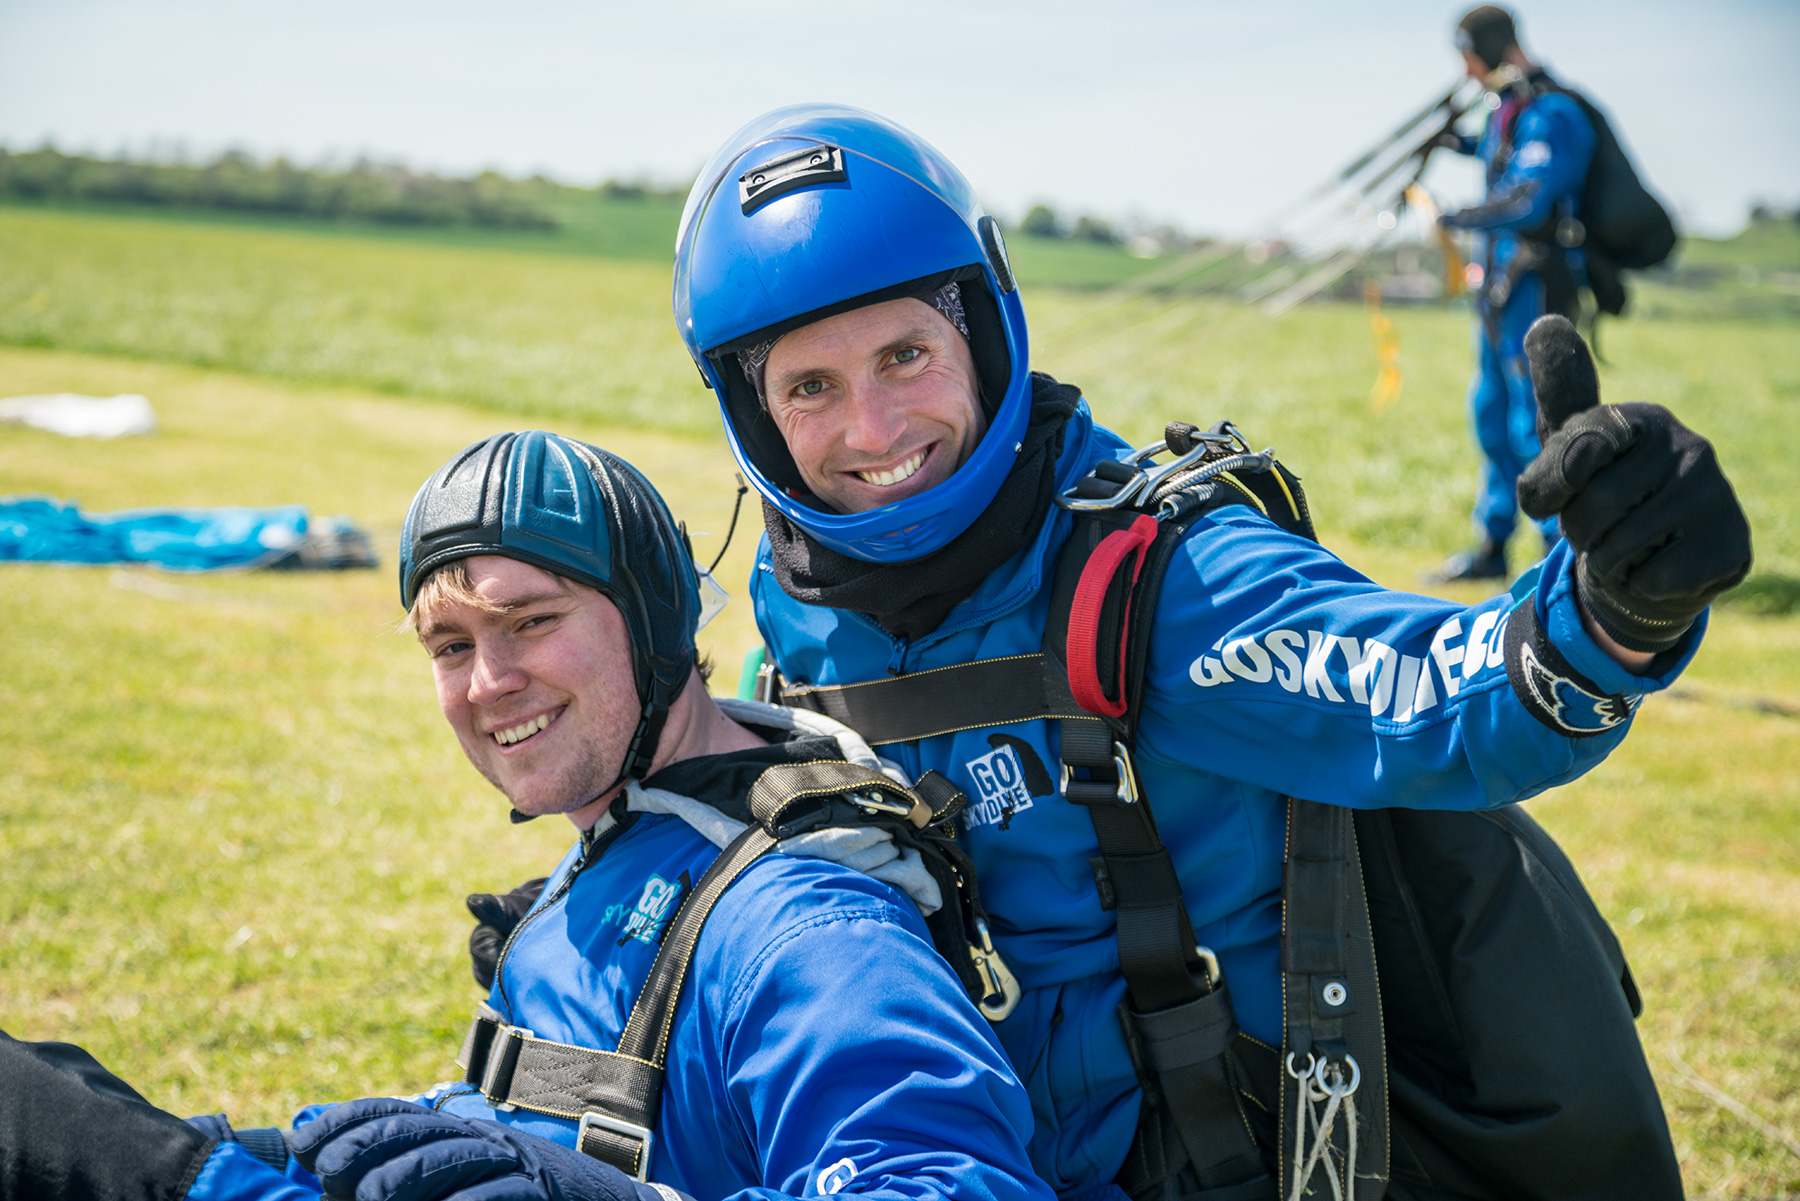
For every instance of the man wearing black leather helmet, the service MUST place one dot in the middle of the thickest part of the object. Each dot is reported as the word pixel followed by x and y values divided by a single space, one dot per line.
pixel 671 1019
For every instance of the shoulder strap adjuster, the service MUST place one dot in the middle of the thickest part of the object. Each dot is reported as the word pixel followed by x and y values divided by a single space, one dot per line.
pixel 1122 789
pixel 624 1145
pixel 502 1060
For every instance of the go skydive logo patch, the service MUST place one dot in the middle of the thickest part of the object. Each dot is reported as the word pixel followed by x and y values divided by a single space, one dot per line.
pixel 1367 672
pixel 1006 779
pixel 654 908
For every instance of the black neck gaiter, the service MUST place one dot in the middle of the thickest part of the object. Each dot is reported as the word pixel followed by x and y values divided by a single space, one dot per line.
pixel 911 599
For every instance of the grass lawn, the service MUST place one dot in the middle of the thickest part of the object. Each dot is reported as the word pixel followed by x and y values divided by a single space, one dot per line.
pixel 236 835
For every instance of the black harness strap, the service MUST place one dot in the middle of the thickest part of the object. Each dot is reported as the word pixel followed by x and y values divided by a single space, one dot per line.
pixel 944 700
pixel 616 1095
pixel 1330 993
pixel 1177 1014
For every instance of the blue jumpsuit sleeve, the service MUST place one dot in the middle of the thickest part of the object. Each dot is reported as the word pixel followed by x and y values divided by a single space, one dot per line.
pixel 1553 143
pixel 1275 664
pixel 231 1173
pixel 854 1062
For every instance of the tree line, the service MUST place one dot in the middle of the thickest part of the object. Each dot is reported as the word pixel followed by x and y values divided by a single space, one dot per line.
pixel 365 191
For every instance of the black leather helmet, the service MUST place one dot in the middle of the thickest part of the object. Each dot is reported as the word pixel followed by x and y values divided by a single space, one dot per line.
pixel 577 511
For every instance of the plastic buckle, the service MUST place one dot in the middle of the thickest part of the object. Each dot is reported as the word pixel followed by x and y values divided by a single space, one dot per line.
pixel 767 685
pixel 645 1138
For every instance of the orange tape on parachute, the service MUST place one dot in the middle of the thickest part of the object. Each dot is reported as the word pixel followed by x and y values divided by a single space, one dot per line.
pixel 1386 340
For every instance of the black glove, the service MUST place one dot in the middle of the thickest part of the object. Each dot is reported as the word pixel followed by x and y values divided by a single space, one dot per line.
pixel 1640 496
pixel 497 916
pixel 385 1149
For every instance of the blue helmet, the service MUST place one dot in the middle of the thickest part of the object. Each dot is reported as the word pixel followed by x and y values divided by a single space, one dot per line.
pixel 817 209
pixel 577 511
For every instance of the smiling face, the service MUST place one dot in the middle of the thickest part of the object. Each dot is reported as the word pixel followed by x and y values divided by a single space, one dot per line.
pixel 537 682
pixel 877 404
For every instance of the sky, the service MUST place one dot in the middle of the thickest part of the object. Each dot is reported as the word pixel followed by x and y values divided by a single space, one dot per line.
pixel 1203 113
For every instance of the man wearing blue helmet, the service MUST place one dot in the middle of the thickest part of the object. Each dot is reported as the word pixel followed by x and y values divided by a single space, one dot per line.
pixel 670 1019
pixel 854 311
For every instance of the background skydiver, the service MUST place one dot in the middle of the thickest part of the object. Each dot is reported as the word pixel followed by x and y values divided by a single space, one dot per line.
pixel 822 1044
pixel 1536 146
pixel 843 294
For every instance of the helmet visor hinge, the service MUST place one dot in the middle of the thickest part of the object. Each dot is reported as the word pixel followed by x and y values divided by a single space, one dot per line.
pixel 789 173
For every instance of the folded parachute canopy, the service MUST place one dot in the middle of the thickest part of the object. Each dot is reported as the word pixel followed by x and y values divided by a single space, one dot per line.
pixel 82 416
pixel 42 530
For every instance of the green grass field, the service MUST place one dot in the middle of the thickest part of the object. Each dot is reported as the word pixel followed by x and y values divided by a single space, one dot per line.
pixel 236 837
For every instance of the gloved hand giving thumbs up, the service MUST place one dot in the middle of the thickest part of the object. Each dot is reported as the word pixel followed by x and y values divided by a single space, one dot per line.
pixel 1640 497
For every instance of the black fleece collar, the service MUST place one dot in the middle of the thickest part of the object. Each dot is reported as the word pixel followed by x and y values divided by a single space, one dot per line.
pixel 723 781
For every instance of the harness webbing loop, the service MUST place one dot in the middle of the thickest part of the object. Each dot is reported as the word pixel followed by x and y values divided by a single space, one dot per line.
pixel 1085 612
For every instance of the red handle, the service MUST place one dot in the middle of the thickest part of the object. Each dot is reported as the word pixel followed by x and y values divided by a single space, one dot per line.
pixel 1084 615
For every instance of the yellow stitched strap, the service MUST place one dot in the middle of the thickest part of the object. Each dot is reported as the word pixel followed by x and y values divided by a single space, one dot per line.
pixel 1233 480
pixel 1293 505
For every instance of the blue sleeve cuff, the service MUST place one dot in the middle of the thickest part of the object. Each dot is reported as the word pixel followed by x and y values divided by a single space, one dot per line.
pixel 1559 611
pixel 231 1173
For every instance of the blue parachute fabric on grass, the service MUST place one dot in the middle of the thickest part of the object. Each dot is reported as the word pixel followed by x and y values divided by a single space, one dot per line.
pixel 43 530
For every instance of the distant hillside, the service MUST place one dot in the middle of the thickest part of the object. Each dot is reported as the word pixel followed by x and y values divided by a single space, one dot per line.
pixel 613 221
pixel 382 193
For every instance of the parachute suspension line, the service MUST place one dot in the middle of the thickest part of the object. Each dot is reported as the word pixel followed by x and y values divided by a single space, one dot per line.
pixel 1327 1085
pixel 1324 212
pixel 1302 1110
pixel 736 508
pixel 1386 340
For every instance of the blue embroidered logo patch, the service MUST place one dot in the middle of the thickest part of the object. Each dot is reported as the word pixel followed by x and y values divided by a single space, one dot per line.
pixel 654 908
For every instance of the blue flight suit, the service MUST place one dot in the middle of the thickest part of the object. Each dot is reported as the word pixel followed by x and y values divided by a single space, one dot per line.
pixel 1537 154
pixel 821 1043
pixel 1274 670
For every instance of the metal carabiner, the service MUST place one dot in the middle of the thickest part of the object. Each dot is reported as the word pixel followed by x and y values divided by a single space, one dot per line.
pixel 1003 987
pixel 1127 791
pixel 1214 973
pixel 1126 494
pixel 914 811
